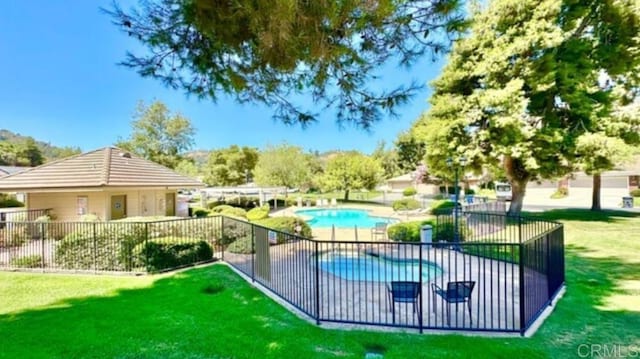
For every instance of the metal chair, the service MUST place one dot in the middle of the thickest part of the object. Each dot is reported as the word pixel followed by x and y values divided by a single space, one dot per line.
pixel 403 292
pixel 380 228
pixel 456 293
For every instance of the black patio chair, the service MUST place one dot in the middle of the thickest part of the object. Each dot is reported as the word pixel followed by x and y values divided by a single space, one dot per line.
pixel 403 292
pixel 456 293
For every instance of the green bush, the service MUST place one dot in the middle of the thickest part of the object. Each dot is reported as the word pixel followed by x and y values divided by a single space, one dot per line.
pixel 442 206
pixel 410 191
pixel 241 246
pixel 635 193
pixel 200 212
pixel 9 202
pixel 469 191
pixel 286 224
pixel 444 231
pixel 234 231
pixel 405 204
pixel 282 202
pixel 561 192
pixel 171 252
pixel 244 202
pixel 32 261
pixel 407 231
pixel 220 208
pixel 234 212
pixel 258 213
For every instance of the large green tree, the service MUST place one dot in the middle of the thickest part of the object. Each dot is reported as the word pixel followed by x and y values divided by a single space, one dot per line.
pixel 520 90
pixel 410 151
pixel 347 171
pixel 388 159
pixel 230 166
pixel 275 52
pixel 282 165
pixel 23 152
pixel 159 135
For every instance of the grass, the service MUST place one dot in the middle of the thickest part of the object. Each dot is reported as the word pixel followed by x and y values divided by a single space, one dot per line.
pixel 210 312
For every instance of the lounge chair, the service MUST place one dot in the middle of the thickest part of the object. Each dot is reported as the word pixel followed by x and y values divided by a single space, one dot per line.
pixel 334 202
pixel 456 293
pixel 403 292
pixel 380 229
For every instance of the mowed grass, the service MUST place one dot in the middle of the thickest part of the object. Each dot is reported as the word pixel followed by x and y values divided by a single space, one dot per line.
pixel 210 312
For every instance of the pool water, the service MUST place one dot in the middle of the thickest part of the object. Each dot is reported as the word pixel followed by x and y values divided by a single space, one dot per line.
pixel 360 266
pixel 341 218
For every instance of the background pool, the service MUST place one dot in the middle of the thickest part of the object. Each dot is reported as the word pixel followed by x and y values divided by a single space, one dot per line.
pixel 346 218
pixel 366 267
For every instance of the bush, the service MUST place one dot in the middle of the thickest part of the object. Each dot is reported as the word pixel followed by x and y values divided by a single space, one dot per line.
pixel 244 202
pixel 241 246
pixel 407 231
pixel 561 192
pixel 258 213
pixel 32 261
pixel 200 212
pixel 220 208
pixel 171 252
pixel 442 207
pixel 405 204
pixel 410 191
pixel 444 231
pixel 282 202
pixel 286 224
pixel 9 202
pixel 234 231
pixel 234 212
pixel 635 193
pixel 443 189
pixel 469 191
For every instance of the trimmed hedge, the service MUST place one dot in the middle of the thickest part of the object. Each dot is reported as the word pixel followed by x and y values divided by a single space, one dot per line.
pixel 409 191
pixel 171 252
pixel 258 213
pixel 241 246
pixel 442 206
pixel 407 231
pixel 10 203
pixel 32 261
pixel 405 204
pixel 635 193
pixel 286 224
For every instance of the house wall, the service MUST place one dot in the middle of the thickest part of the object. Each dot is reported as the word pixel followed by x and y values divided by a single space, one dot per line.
pixel 65 204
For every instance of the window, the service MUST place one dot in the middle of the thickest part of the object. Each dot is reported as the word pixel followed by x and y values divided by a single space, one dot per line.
pixel 82 205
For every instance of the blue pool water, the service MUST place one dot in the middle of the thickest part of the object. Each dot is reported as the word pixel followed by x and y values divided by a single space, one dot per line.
pixel 345 218
pixel 361 266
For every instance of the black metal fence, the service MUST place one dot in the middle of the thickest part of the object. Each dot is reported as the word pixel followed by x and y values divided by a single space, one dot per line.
pixel 116 246
pixel 511 273
pixel 491 272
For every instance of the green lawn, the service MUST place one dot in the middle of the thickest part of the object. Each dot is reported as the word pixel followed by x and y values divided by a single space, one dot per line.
pixel 210 312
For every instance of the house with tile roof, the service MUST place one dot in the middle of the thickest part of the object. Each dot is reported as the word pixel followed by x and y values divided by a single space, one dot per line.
pixel 109 182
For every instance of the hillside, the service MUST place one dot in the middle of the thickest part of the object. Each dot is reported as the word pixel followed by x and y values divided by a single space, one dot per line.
pixel 48 151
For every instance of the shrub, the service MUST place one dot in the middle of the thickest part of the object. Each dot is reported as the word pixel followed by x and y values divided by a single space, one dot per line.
pixel 234 231
pixel 410 191
pixel 469 191
pixel 244 202
pixel 258 213
pixel 635 193
pixel 286 224
pixel 32 261
pixel 407 231
pixel 170 252
pixel 444 231
pixel 234 212
pixel 200 212
pixel 561 192
pixel 405 204
pixel 10 202
pixel 443 189
pixel 442 207
pixel 220 208
pixel 282 202
pixel 241 246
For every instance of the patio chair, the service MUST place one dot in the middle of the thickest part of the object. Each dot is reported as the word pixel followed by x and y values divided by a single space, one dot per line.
pixel 456 293
pixel 403 292
pixel 380 228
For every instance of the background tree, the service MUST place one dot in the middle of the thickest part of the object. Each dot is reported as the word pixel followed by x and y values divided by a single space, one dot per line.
pixel 388 159
pixel 23 152
pixel 230 166
pixel 159 135
pixel 410 151
pixel 523 87
pixel 187 167
pixel 282 165
pixel 349 171
pixel 270 52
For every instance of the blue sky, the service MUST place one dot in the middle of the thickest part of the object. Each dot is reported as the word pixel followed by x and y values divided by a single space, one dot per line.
pixel 60 83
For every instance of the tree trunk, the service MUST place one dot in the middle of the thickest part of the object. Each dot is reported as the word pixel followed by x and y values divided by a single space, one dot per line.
pixel 595 195
pixel 346 195
pixel 518 190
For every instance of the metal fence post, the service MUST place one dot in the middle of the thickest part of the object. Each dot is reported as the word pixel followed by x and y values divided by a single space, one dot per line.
pixel 421 293
pixel 221 235
pixel 42 245
pixel 520 229
pixel 144 245
pixel 523 320
pixel 317 280
pixel 95 253
pixel 253 254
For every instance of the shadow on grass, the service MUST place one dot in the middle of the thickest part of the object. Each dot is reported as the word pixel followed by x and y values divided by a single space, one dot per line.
pixel 211 312
pixel 585 215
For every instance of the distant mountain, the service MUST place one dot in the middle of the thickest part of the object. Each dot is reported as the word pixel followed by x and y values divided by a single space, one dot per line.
pixel 49 151
pixel 200 157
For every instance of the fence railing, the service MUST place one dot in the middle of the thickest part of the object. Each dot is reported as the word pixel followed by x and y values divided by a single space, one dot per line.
pixel 490 273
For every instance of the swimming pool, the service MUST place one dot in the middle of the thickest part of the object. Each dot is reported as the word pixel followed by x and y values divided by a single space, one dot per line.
pixel 345 218
pixel 361 266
